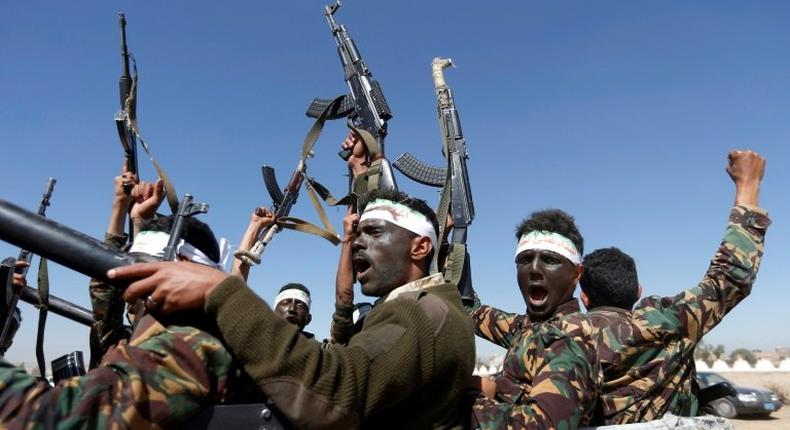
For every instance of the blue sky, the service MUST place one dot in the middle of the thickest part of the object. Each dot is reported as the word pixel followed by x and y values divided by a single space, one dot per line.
pixel 620 113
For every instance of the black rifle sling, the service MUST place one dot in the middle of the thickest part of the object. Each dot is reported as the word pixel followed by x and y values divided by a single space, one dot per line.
pixel 43 302
pixel 130 111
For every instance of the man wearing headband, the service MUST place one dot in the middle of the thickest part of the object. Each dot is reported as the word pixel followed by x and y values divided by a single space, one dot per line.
pixel 648 352
pixel 409 365
pixel 293 304
pixel 549 378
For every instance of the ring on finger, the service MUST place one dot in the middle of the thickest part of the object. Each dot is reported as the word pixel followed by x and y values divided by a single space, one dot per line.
pixel 151 304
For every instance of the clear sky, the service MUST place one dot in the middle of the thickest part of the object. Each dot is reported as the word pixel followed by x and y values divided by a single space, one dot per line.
pixel 620 113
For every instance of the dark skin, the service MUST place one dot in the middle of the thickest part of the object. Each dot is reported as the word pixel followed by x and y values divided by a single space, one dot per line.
pixel 386 256
pixel 294 311
pixel 378 244
pixel 546 280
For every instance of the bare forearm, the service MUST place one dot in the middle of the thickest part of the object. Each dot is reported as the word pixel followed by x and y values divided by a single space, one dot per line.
pixel 747 193
pixel 241 268
pixel 344 282
pixel 116 226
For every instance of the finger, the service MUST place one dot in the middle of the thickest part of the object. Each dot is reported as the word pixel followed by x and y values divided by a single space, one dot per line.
pixel 260 212
pixel 159 189
pixel 140 289
pixel 21 264
pixel 139 270
pixel 124 166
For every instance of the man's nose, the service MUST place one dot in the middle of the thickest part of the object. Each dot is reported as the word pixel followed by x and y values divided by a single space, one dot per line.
pixel 536 269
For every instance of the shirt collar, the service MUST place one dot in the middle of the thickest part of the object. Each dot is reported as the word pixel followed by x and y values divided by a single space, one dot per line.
pixel 419 284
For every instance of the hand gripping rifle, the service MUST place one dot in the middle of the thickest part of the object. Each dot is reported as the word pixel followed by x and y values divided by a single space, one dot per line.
pixel 128 129
pixel 456 192
pixel 283 201
pixel 364 107
pixel 12 294
pixel 125 133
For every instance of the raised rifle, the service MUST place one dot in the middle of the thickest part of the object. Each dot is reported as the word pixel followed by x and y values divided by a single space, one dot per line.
pixel 125 134
pixel 454 178
pixel 12 294
pixel 283 201
pixel 364 106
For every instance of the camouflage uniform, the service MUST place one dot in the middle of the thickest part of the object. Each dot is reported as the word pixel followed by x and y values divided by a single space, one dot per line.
pixel 648 354
pixel 108 305
pixel 162 377
pixel 550 376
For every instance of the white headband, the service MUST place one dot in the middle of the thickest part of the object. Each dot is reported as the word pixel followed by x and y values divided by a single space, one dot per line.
pixel 549 241
pixel 154 242
pixel 400 215
pixel 293 293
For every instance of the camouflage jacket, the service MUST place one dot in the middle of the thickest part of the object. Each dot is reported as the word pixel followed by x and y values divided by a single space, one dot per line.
pixel 108 306
pixel 550 376
pixel 648 354
pixel 159 379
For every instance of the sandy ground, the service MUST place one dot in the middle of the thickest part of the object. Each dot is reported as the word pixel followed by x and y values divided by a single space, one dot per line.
pixel 777 420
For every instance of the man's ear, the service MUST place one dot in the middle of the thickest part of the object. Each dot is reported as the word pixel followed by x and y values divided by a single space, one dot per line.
pixel 585 300
pixel 639 292
pixel 579 273
pixel 309 319
pixel 421 246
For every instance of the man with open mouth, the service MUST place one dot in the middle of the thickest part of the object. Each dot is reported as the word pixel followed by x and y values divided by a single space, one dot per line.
pixel 407 368
pixel 550 376
pixel 293 304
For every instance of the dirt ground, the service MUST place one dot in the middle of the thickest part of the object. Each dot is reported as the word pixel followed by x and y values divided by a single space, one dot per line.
pixel 777 420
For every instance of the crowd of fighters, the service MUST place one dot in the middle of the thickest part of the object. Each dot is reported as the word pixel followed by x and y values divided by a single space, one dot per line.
pixel 207 338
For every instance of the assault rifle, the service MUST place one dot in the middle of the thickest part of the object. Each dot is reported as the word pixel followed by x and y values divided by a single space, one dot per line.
pixel 125 134
pixel 94 258
pixel 364 106
pixel 455 175
pixel 282 201
pixel 12 294
pixel 125 88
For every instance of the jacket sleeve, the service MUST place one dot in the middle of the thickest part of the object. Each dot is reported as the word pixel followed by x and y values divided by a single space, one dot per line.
pixel 326 388
pixel 158 380
pixel 728 280
pixel 494 325
pixel 108 305
pixel 560 368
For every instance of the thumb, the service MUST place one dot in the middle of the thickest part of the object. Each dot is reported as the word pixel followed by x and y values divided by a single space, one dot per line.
pixel 159 189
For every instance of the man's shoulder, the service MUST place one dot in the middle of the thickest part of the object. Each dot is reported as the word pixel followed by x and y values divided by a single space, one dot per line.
pixel 440 303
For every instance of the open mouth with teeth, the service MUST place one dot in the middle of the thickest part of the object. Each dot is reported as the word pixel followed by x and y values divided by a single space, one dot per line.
pixel 361 267
pixel 538 295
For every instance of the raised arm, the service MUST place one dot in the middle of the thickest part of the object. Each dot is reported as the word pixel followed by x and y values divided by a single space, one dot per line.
pixel 259 220
pixel 342 328
pixel 734 267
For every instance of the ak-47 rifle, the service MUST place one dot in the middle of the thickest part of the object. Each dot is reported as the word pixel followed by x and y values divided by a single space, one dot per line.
pixel 282 201
pixel 454 176
pixel 12 294
pixel 364 106
pixel 125 134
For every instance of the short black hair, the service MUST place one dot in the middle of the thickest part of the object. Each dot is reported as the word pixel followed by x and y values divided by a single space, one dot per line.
pixel 414 203
pixel 553 221
pixel 195 232
pixel 295 286
pixel 610 279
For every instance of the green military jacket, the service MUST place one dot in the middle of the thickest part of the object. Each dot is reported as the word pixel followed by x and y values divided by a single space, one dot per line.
pixel 408 368
pixel 550 375
pixel 648 354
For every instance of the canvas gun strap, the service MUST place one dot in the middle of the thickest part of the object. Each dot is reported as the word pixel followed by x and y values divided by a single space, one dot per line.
pixel 130 112
pixel 293 223
pixel 43 303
